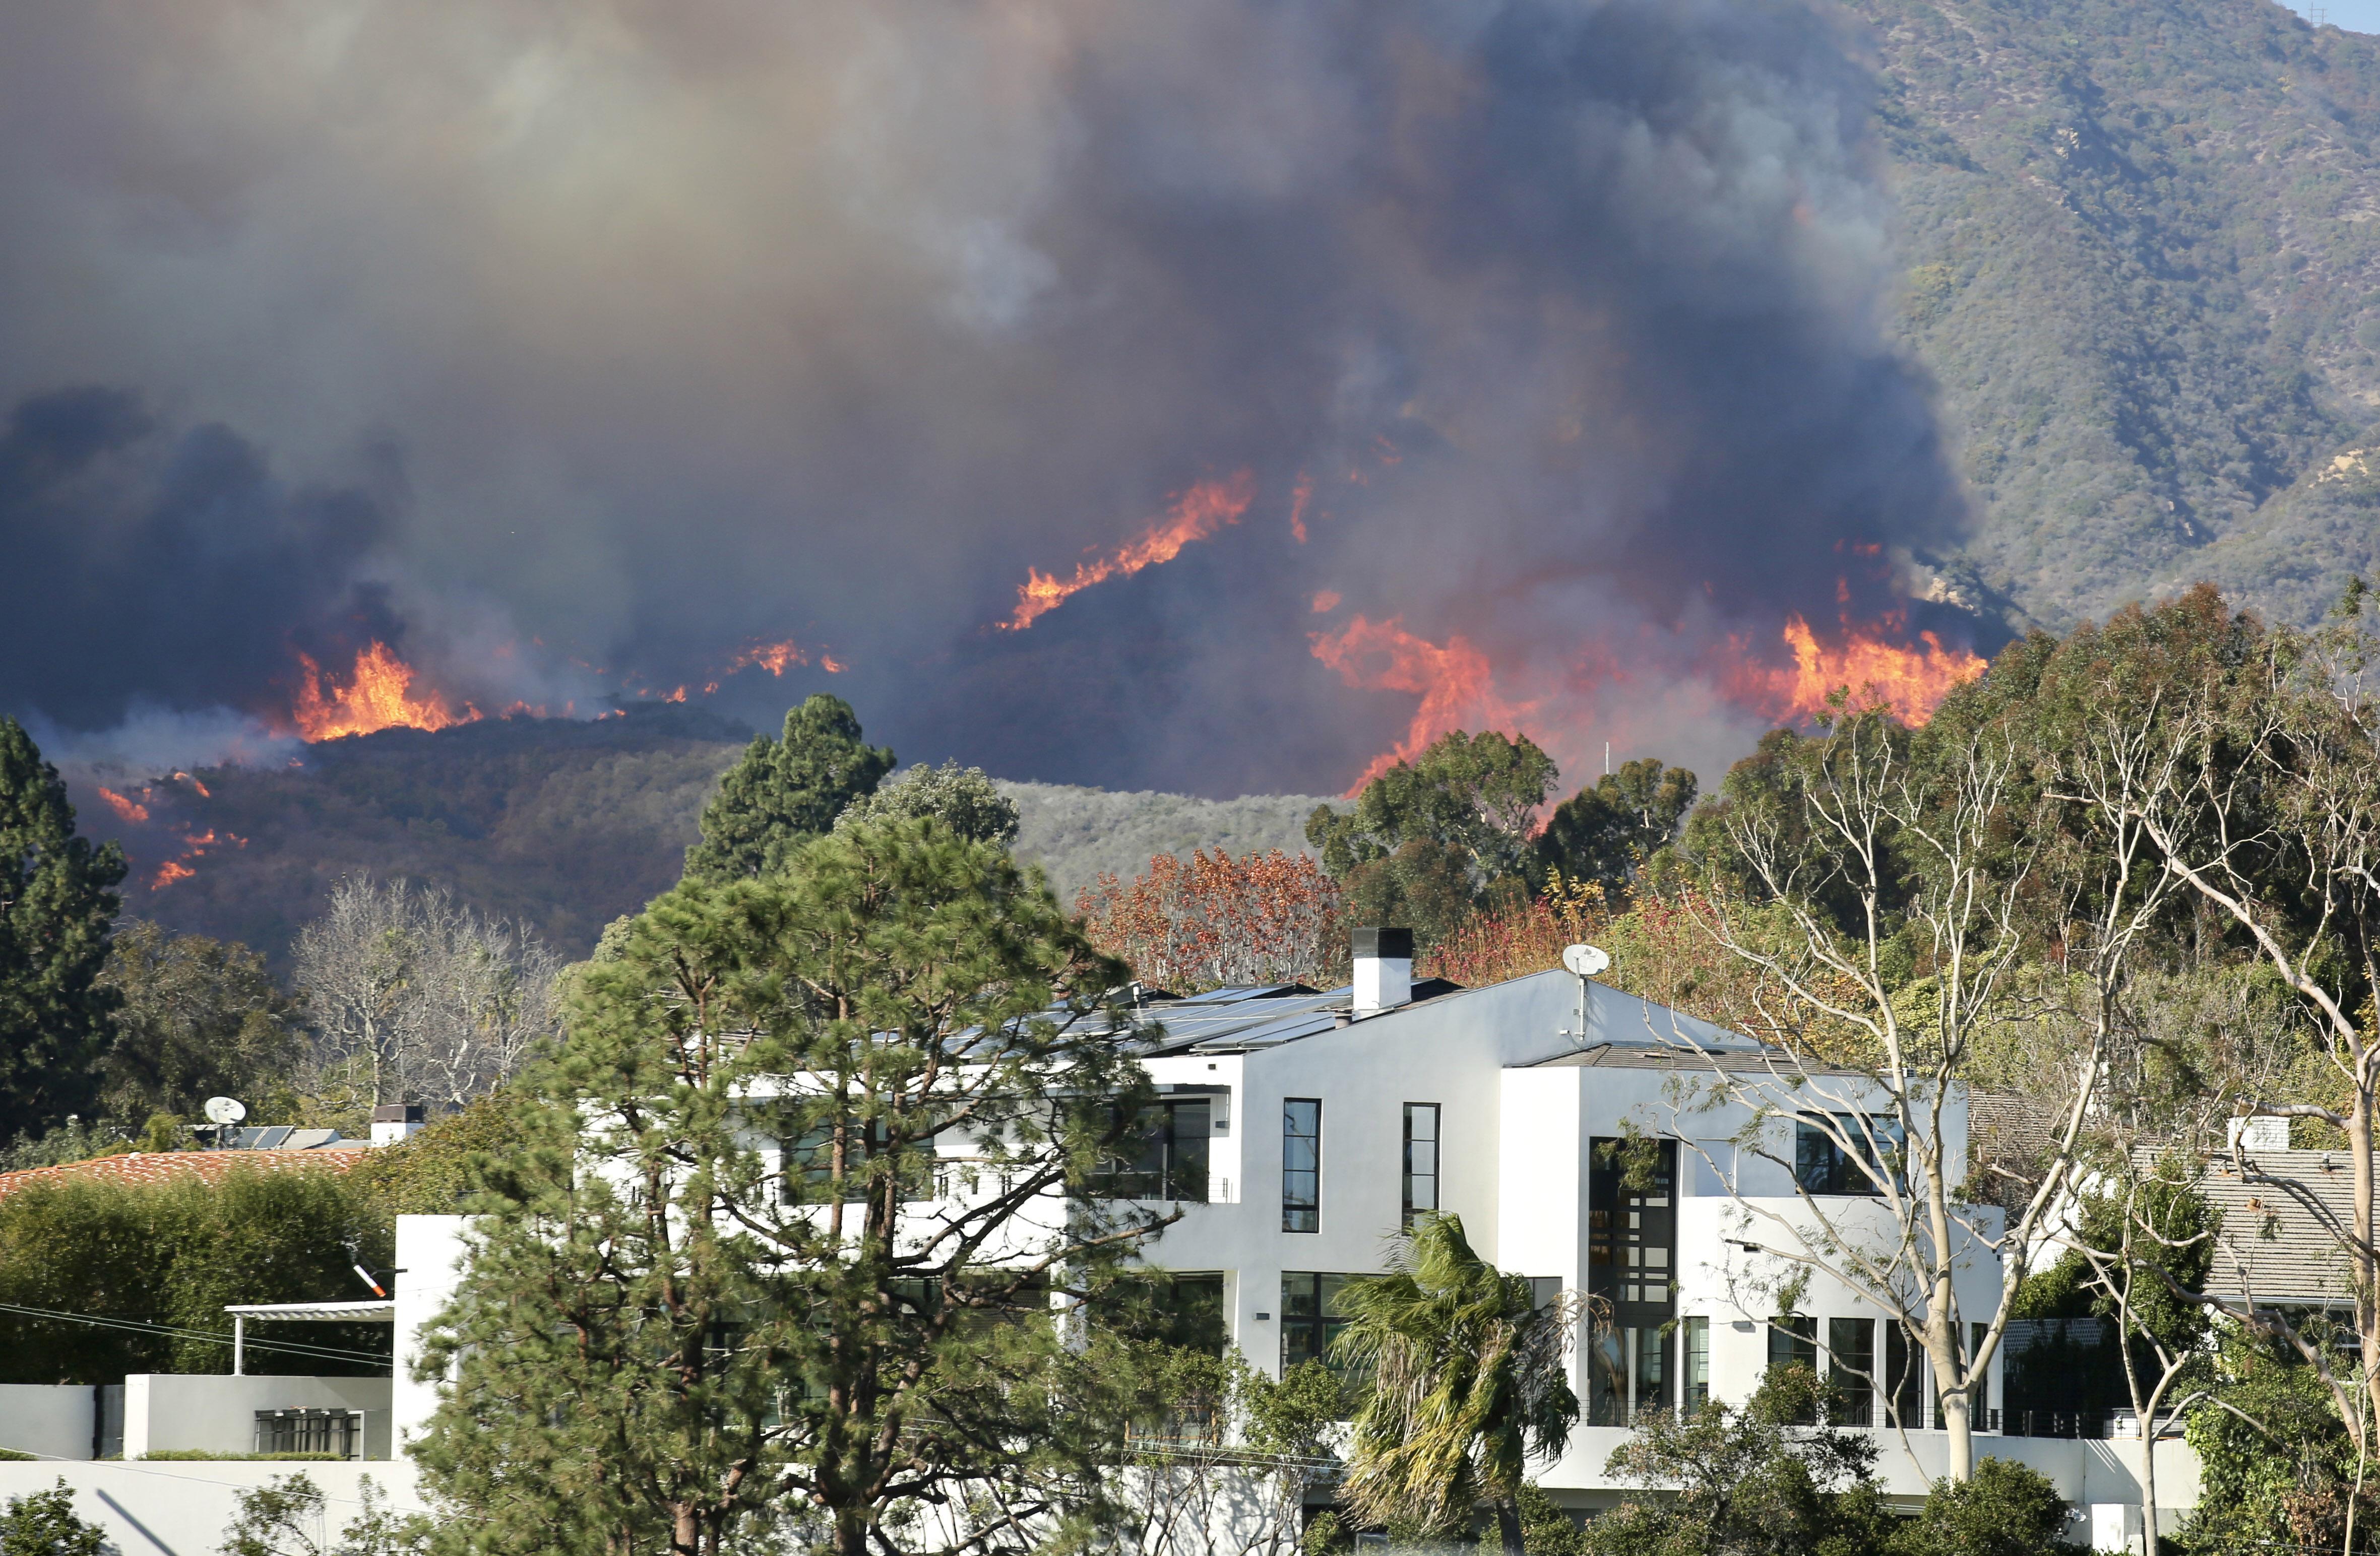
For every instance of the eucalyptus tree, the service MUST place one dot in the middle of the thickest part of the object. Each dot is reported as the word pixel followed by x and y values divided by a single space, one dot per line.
pixel 2254 775
pixel 1897 894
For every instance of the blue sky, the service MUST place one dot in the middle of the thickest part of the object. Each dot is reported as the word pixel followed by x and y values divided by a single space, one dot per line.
pixel 2356 16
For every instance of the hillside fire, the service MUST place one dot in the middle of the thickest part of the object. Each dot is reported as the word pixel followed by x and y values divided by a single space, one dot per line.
pixel 379 694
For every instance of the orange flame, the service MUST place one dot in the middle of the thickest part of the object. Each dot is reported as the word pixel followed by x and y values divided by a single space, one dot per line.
pixel 1913 680
pixel 1456 686
pixel 1195 515
pixel 126 809
pixel 771 656
pixel 194 844
pixel 379 696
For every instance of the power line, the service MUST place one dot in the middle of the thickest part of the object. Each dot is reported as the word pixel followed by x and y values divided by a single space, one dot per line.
pixel 171 1332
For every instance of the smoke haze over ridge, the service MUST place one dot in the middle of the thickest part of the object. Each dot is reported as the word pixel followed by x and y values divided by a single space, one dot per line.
pixel 562 344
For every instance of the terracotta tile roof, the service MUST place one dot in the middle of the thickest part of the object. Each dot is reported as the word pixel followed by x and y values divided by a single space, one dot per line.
pixel 163 1166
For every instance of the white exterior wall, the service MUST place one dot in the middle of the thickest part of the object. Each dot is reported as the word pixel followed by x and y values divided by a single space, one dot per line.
pixel 170 1411
pixel 51 1420
pixel 1515 1140
pixel 429 1267
pixel 183 1508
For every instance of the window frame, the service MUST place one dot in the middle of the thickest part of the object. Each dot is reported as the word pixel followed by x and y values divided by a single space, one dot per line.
pixel 1437 1143
pixel 1295 1210
pixel 1852 1175
pixel 1693 1362
pixel 1317 1328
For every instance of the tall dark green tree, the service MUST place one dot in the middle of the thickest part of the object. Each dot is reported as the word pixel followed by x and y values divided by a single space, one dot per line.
pixel 784 791
pixel 1428 838
pixel 1605 833
pixel 800 1198
pixel 57 900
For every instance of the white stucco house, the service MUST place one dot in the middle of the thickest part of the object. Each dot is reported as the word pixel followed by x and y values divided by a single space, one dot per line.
pixel 1299 1129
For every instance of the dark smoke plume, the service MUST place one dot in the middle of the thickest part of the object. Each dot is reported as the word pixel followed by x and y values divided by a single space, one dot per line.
pixel 686 326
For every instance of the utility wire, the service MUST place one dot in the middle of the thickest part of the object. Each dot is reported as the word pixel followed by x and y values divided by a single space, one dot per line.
pixel 330 1352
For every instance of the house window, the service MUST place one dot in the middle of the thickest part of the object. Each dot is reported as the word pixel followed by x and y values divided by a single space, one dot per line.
pixel 1301 1164
pixel 1187 1311
pixel 1309 1315
pixel 1794 1342
pixel 1979 1413
pixel 1822 1166
pixel 1631 1227
pixel 1905 1372
pixel 808 1163
pixel 310 1431
pixel 1851 1371
pixel 1627 1374
pixel 1421 1161
pixel 1695 1377
pixel 1163 1156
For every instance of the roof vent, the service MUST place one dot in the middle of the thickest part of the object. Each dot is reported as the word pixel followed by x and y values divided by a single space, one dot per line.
pixel 1383 970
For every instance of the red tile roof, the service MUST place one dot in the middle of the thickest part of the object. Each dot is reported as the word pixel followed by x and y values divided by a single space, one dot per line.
pixel 163 1166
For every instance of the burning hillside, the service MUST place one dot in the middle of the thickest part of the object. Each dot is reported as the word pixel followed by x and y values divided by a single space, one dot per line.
pixel 377 694
pixel 1054 363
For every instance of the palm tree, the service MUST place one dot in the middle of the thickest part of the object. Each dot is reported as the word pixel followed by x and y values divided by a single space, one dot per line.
pixel 1466 1385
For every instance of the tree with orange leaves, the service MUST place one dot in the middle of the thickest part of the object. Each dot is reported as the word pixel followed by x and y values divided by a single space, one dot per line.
pixel 1212 919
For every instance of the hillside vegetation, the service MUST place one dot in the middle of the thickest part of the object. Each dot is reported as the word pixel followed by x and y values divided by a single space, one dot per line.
pixel 2142 249
pixel 563 826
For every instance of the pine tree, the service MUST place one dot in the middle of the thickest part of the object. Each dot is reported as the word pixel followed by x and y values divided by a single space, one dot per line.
pixel 783 792
pixel 57 904
pixel 798 1203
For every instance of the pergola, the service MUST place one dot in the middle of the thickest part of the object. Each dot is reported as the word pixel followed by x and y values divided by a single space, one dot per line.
pixel 380 1312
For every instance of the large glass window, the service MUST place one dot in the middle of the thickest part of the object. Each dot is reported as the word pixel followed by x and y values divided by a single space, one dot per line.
pixel 1822 1166
pixel 1851 1370
pixel 1981 1414
pixel 807 1160
pixel 1184 1310
pixel 1163 1156
pixel 1421 1160
pixel 1631 1248
pixel 1696 1372
pixel 1794 1342
pixel 1309 1315
pixel 1301 1164
pixel 1905 1372
pixel 1628 1374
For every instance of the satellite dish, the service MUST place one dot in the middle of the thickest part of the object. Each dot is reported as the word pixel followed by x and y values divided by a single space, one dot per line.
pixel 1587 960
pixel 226 1110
